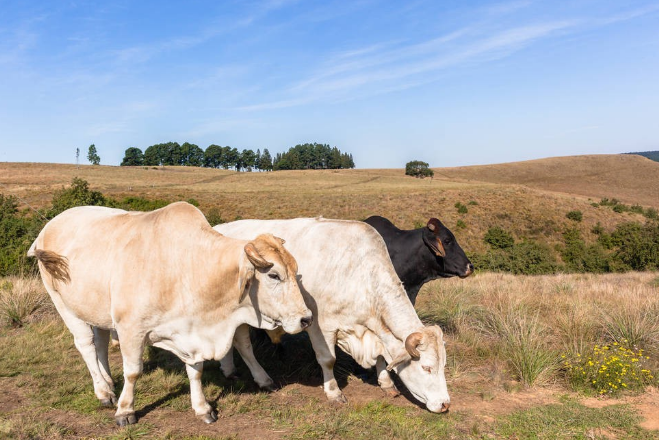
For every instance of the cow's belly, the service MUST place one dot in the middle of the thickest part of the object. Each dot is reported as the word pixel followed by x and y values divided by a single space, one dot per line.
pixel 192 342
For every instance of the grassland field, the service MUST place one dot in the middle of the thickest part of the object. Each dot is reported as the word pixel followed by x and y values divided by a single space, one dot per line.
pixel 508 337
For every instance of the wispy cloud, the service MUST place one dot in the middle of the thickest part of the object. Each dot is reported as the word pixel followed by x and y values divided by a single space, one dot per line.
pixel 380 69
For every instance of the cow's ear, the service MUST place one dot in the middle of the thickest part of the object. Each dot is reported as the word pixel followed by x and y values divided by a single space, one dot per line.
pixel 434 243
pixel 400 359
pixel 255 258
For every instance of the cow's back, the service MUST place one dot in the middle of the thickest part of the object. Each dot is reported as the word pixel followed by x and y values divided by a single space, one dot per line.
pixel 121 261
pixel 342 263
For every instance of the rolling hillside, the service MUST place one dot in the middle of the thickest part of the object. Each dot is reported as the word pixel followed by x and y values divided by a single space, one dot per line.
pixel 530 199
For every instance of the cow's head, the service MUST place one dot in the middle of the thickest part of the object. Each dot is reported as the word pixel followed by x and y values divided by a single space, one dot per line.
pixel 449 256
pixel 273 287
pixel 421 368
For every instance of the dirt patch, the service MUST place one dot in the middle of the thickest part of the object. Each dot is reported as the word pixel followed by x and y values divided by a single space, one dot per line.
pixel 11 397
pixel 647 405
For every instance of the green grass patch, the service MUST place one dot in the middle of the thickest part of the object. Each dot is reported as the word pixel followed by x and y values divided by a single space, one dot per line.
pixel 571 420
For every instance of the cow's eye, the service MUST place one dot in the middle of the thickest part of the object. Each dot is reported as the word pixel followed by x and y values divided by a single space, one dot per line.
pixel 427 369
pixel 274 276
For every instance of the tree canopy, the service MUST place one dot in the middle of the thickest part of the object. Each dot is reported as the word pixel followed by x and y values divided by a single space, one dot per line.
pixel 418 168
pixel 301 157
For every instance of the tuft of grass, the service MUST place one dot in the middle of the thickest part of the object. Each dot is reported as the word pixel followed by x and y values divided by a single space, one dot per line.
pixel 22 300
pixel 634 322
pixel 576 328
pixel 523 344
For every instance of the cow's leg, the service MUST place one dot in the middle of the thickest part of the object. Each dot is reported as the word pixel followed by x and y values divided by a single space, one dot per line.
pixel 199 404
pixel 227 365
pixel 83 337
pixel 101 341
pixel 384 379
pixel 323 345
pixel 132 348
pixel 243 344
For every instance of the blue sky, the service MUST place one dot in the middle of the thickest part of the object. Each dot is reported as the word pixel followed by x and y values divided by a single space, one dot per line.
pixel 451 83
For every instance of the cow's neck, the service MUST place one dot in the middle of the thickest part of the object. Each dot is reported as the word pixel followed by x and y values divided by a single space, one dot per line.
pixel 396 319
pixel 417 265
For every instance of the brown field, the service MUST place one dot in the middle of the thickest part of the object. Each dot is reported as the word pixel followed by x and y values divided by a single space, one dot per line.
pixel 530 199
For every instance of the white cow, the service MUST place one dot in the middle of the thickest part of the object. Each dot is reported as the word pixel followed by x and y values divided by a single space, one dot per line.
pixel 350 285
pixel 165 278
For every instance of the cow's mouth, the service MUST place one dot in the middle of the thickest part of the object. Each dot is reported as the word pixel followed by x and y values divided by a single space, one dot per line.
pixel 271 323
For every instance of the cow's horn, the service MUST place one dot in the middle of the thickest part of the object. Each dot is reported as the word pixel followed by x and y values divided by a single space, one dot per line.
pixel 411 343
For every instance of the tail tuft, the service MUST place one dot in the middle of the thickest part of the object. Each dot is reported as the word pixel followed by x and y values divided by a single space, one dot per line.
pixel 56 265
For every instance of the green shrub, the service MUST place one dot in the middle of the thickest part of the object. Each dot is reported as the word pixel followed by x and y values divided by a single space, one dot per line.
pixel 214 216
pixel 139 204
pixel 579 257
pixel 78 194
pixel 460 224
pixel 498 238
pixel 651 213
pixel 637 246
pixel 462 209
pixel 576 216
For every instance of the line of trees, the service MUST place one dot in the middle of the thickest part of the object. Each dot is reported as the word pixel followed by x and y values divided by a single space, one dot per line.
pixel 313 157
pixel 306 156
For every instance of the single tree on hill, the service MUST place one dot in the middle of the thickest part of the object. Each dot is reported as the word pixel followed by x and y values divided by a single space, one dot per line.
pixel 93 156
pixel 418 169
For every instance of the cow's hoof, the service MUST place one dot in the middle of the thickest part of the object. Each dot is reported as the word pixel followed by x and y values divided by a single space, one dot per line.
pixel 233 376
pixel 209 418
pixel 341 399
pixel 270 387
pixel 391 391
pixel 125 420
pixel 109 403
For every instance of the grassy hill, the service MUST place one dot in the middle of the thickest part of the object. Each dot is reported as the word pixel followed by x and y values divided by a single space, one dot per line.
pixel 530 198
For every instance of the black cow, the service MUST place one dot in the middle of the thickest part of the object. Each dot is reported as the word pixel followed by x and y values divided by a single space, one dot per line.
pixel 422 255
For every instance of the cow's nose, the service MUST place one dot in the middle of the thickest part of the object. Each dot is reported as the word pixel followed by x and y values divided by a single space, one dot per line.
pixel 445 407
pixel 306 321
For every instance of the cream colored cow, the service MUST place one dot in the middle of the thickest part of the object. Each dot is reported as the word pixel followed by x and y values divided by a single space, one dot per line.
pixel 164 278
pixel 359 304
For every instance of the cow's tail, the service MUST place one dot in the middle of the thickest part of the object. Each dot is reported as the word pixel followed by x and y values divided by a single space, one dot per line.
pixel 56 265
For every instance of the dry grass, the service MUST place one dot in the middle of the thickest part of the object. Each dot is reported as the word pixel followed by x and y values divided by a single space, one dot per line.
pixel 23 300
pixel 528 322
pixel 520 205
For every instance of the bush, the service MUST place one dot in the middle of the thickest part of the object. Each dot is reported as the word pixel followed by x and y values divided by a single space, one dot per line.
pixel 78 194
pixel 576 216
pixel 579 257
pixel 498 238
pixel 525 258
pixel 462 209
pixel 138 204
pixel 637 246
pixel 214 217
pixel 17 232
pixel 608 369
